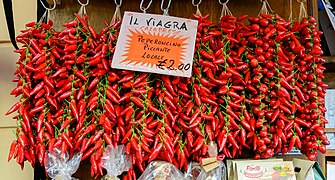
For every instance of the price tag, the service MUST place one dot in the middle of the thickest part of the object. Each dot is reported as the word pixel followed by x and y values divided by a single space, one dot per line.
pixel 156 44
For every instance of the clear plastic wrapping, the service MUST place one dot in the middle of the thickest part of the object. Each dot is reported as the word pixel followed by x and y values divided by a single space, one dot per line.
pixel 197 172
pixel 59 166
pixel 161 170
pixel 115 161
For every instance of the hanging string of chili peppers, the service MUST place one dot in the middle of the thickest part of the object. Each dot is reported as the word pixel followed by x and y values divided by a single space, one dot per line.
pixel 257 86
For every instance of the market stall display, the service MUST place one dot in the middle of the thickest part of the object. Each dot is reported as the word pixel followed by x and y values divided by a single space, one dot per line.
pixel 254 86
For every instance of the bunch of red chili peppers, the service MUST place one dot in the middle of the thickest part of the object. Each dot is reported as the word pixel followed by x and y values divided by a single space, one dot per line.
pixel 266 80
pixel 257 86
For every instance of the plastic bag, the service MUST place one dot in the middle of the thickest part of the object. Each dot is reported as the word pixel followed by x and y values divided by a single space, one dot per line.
pixel 115 161
pixel 161 170
pixel 197 172
pixel 59 165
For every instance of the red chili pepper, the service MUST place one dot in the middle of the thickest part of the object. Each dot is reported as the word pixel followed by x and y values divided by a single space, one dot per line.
pixel 275 115
pixel 195 123
pixel 209 101
pixel 286 103
pixel 40 122
pixel 206 54
pixel 108 139
pixel 37 88
pixel 89 129
pixel 155 152
pixel 67 140
pixel 137 101
pixel 12 150
pixel 281 134
pixel 204 116
pixel 93 83
pixel 285 109
pixel 126 78
pixel 299 93
pixel 195 116
pixel 230 112
pixel 291 143
pixel 92 31
pixel 22 140
pixel 232 141
pixel 301 122
pixel 284 83
pixel 234 95
pixel 88 154
pixel 198 132
pixel 14 108
pixel 199 142
pixel 245 124
pixel 169 102
pixel 270 33
pixel 81 20
pixel 215 33
pixel 234 105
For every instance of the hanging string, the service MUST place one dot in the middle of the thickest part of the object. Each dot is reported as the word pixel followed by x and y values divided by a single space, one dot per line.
pixel 302 11
pixel 225 10
pixel 144 9
pixel 118 4
pixel 116 17
pixel 266 9
pixel 117 13
pixel 46 16
pixel 82 9
pixel 290 18
pixel 197 6
pixel 165 10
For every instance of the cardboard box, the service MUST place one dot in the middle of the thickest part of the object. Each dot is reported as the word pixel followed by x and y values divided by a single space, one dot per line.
pixel 232 170
pixel 274 169
pixel 309 170
pixel 269 170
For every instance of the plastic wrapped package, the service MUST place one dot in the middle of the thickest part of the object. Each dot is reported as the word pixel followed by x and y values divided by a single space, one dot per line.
pixel 115 161
pixel 59 166
pixel 197 172
pixel 161 170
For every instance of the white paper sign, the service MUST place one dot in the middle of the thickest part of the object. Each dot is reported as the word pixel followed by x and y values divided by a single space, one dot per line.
pixel 156 44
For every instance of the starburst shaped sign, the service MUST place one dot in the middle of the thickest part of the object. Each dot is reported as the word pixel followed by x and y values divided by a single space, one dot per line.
pixel 156 44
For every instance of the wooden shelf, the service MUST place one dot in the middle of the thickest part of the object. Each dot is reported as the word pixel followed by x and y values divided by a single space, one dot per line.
pixel 329 59
pixel 329 129
pixel 330 65
pixel 4 41
pixel 322 159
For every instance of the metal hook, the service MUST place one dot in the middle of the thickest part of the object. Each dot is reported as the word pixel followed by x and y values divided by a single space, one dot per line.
pixel 49 9
pixel 197 6
pixel 145 8
pixel 193 3
pixel 83 3
pixel 118 4
pixel 224 2
pixel 167 8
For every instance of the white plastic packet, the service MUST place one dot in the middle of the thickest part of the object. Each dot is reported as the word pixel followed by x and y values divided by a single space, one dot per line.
pixel 161 170
pixel 115 161
pixel 59 166
pixel 197 172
